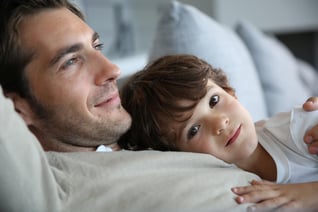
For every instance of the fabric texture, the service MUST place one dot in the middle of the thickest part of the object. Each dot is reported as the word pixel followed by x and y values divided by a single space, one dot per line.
pixel 277 69
pixel 125 181
pixel 183 29
pixel 26 180
pixel 282 137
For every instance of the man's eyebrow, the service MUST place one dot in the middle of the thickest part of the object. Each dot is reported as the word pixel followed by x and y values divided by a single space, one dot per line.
pixel 64 51
pixel 70 49
pixel 95 37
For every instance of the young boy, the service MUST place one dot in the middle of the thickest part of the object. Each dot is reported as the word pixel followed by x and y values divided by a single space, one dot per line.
pixel 181 103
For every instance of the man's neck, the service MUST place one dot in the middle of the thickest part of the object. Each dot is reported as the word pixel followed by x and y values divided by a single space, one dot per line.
pixel 51 144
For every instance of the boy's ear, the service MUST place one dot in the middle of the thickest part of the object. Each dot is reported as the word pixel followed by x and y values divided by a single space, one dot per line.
pixel 22 107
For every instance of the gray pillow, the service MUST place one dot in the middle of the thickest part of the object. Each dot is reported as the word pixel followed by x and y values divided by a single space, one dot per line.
pixel 277 69
pixel 184 29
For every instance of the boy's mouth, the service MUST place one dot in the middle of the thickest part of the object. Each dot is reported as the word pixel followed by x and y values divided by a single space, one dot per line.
pixel 234 136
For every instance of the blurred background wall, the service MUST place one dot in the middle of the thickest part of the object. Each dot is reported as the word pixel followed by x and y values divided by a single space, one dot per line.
pixel 127 27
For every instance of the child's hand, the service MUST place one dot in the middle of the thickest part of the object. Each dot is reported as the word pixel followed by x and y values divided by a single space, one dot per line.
pixel 311 104
pixel 269 196
pixel 311 136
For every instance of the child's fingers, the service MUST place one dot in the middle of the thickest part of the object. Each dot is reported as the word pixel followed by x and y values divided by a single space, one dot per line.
pixel 311 104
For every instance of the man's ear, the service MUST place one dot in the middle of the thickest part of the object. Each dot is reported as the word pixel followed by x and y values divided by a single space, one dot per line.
pixel 22 107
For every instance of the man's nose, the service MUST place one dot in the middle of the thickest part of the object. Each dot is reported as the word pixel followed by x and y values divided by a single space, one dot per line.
pixel 106 71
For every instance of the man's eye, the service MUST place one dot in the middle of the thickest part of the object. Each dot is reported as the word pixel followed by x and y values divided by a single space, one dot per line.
pixel 70 62
pixel 213 100
pixel 193 131
pixel 99 46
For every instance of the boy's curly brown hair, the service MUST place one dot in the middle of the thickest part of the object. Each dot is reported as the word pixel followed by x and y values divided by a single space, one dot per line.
pixel 152 97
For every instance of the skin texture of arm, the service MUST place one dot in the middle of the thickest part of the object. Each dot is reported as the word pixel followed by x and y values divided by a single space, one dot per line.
pixel 269 196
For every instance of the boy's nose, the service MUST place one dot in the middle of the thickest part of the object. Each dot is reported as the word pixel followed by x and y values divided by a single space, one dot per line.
pixel 219 124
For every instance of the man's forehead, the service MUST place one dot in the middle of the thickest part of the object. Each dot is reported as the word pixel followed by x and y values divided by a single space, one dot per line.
pixel 49 26
pixel 51 30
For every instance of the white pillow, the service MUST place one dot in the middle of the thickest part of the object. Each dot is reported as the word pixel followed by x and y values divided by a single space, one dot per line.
pixel 12 125
pixel 184 29
pixel 277 69
pixel 309 76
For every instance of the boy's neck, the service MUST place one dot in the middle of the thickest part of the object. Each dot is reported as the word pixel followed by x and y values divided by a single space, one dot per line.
pixel 260 163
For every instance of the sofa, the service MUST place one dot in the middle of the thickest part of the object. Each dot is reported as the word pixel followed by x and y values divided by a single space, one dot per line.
pixel 267 79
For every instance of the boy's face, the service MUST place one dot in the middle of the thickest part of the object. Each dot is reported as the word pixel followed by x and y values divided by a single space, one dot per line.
pixel 74 85
pixel 219 126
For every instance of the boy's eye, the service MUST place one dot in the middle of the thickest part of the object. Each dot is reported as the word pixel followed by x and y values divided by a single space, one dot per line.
pixel 193 131
pixel 213 100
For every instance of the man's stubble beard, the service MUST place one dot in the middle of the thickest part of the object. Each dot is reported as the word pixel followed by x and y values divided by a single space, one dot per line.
pixel 70 128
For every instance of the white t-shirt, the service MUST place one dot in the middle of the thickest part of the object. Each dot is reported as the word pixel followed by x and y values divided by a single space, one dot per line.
pixel 103 148
pixel 282 137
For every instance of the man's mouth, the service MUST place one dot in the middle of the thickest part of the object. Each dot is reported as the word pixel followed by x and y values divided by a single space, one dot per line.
pixel 234 136
pixel 111 100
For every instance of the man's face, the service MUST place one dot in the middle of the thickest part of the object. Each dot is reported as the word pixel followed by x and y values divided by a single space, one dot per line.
pixel 74 85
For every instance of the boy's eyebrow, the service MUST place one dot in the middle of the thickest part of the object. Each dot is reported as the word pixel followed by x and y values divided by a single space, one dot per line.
pixel 209 87
pixel 70 49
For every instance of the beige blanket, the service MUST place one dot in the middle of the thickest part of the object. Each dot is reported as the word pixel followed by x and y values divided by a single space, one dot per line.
pixel 32 180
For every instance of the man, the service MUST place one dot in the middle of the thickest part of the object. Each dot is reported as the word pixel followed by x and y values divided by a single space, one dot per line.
pixel 65 90
pixel 67 82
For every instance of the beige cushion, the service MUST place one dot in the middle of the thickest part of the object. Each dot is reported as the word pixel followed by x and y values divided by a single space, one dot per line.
pixel 32 180
pixel 26 179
